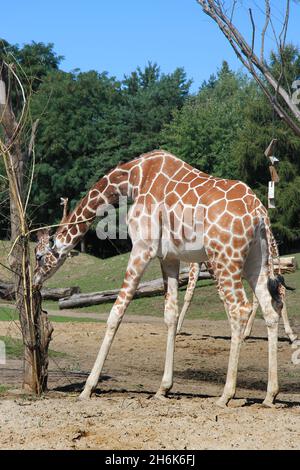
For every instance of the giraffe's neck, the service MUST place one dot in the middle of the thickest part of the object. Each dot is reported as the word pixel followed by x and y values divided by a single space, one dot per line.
pixel 106 191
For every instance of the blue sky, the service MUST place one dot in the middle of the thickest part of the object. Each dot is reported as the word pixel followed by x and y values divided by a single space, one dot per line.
pixel 117 36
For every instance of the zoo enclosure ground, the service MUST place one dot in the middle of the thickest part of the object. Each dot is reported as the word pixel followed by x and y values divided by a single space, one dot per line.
pixel 123 415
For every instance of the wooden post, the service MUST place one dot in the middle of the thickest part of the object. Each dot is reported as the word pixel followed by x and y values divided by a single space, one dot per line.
pixel 83 246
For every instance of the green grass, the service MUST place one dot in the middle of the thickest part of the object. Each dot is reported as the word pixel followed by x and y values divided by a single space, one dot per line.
pixel 86 271
pixel 4 389
pixel 9 314
pixel 14 348
pixel 93 274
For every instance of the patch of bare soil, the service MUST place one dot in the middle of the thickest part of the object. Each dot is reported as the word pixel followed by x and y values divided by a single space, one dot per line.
pixel 123 414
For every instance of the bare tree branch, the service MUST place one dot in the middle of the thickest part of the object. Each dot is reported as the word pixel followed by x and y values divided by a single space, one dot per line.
pixel 253 30
pixel 263 34
pixel 232 10
pixel 282 36
pixel 32 137
pixel 254 65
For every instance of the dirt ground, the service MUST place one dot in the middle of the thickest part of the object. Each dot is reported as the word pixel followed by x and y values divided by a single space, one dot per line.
pixel 123 414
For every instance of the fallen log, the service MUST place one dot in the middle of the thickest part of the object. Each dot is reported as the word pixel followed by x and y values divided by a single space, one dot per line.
pixel 57 293
pixel 7 292
pixel 152 288
pixel 288 264
pixel 145 289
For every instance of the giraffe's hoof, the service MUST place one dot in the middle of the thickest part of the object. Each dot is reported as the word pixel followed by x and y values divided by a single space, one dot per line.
pixel 179 333
pixel 161 396
pixel 85 395
pixel 268 404
pixel 222 402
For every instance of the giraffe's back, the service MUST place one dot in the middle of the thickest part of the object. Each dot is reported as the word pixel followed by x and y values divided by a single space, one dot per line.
pixel 201 212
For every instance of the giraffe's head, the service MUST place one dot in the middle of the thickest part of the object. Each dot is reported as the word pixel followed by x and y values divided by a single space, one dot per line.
pixel 50 253
pixel 51 250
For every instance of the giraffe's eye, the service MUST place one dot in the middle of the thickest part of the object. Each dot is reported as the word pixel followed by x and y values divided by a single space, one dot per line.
pixel 39 259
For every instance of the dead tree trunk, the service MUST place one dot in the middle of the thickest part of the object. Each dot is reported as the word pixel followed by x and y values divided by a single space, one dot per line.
pixel 36 329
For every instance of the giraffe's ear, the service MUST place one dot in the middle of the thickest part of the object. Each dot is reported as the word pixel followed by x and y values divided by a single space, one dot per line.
pixel 42 233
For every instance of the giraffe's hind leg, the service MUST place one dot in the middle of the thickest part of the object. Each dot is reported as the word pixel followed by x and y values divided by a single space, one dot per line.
pixel 231 291
pixel 238 316
pixel 259 283
pixel 255 305
pixel 256 272
pixel 287 327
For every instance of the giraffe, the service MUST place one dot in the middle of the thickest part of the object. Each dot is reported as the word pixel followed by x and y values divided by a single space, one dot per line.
pixel 194 271
pixel 179 214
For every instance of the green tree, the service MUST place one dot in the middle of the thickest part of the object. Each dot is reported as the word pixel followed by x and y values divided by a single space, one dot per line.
pixel 149 100
pixel 260 127
pixel 90 122
pixel 78 112
pixel 204 131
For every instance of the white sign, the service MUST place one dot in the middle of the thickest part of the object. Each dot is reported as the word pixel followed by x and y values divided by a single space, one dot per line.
pixel 2 92
pixel 271 195
pixel 296 94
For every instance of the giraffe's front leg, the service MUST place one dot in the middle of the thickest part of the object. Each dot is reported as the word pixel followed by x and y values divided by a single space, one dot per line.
pixel 139 259
pixel 239 311
pixel 170 270
pixel 114 319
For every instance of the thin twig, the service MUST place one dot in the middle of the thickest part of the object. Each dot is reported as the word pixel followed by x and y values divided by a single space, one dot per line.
pixel 31 150
pixel 32 137
pixel 253 30
pixel 232 10
pixel 263 34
